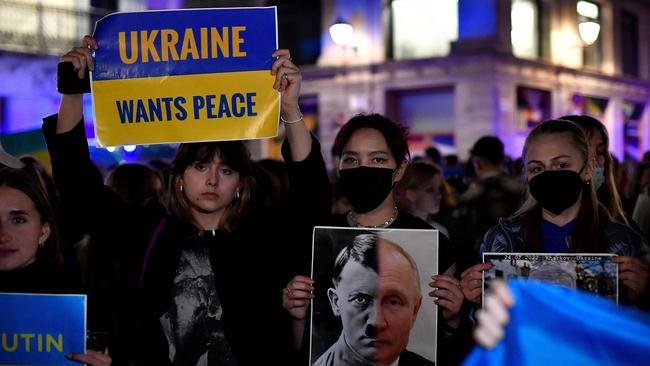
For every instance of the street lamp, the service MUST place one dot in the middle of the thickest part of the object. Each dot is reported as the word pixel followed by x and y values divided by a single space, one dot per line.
pixel 341 32
pixel 589 32
pixel 589 27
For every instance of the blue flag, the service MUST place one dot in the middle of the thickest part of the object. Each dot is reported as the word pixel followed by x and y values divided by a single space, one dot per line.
pixel 552 325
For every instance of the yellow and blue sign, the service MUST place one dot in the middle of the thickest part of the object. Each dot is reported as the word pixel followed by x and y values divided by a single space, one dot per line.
pixel 185 76
pixel 40 329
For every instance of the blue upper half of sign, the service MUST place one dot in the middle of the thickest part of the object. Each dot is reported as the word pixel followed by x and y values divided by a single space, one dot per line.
pixel 184 42
pixel 43 323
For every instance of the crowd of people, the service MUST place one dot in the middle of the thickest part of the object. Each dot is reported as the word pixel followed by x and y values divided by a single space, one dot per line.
pixel 206 260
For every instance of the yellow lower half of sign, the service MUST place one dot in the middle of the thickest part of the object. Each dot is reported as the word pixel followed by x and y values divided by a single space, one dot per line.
pixel 187 108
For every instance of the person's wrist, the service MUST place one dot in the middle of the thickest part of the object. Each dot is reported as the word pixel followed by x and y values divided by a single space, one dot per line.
pixel 72 97
pixel 290 112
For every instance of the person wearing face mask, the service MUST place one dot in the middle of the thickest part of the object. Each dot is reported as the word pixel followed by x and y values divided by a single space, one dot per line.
pixel 602 178
pixel 374 155
pixel 562 214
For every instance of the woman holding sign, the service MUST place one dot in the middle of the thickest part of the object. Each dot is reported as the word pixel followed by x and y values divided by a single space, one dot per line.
pixel 30 253
pixel 562 214
pixel 374 155
pixel 198 285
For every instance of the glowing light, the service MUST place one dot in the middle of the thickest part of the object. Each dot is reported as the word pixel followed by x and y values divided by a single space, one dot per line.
pixel 129 148
pixel 524 29
pixel 341 32
pixel 589 31
pixel 110 149
pixel 438 19
pixel 587 9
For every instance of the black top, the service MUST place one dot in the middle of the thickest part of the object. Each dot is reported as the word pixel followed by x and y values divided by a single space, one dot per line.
pixel 408 358
pixel 37 278
pixel 251 265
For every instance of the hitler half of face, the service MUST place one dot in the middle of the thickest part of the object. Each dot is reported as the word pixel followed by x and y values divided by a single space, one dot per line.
pixel 352 298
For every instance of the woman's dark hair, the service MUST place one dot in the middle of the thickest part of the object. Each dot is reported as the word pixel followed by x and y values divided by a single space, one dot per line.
pixel 607 194
pixel 587 233
pixel 235 155
pixel 35 167
pixel 29 184
pixel 394 134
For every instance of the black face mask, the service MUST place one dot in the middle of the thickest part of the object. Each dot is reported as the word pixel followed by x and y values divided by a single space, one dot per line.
pixel 366 188
pixel 556 190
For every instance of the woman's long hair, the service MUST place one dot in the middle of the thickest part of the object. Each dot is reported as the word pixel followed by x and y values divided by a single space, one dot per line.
pixel 232 153
pixel 31 186
pixel 587 233
pixel 607 194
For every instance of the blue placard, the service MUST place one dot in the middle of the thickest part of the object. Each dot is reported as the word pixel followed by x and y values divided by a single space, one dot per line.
pixel 185 42
pixel 40 329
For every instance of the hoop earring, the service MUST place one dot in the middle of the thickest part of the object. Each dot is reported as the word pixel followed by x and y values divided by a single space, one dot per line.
pixel 41 244
pixel 181 187
pixel 237 194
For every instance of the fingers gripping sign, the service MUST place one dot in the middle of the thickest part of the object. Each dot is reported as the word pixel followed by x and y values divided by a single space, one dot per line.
pixel 296 296
pixel 287 81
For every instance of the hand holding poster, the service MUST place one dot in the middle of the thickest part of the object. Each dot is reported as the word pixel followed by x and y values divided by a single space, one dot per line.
pixel 41 329
pixel 185 76
pixel 371 303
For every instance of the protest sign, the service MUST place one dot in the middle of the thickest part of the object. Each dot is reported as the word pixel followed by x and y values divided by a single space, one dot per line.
pixel 595 273
pixel 37 329
pixel 185 76
pixel 361 272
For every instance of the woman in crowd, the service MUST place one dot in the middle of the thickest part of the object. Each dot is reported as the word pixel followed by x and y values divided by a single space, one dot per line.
pixel 374 155
pixel 562 214
pixel 30 254
pixel 419 192
pixel 424 193
pixel 602 178
pixel 192 281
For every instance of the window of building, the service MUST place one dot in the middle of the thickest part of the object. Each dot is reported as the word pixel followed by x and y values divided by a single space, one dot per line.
pixel 43 26
pixel 429 116
pixel 524 18
pixel 423 28
pixel 630 43
pixel 589 28
pixel 533 107
pixel 632 113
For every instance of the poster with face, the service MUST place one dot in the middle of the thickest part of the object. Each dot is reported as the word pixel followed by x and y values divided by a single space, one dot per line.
pixel 371 304
pixel 595 273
